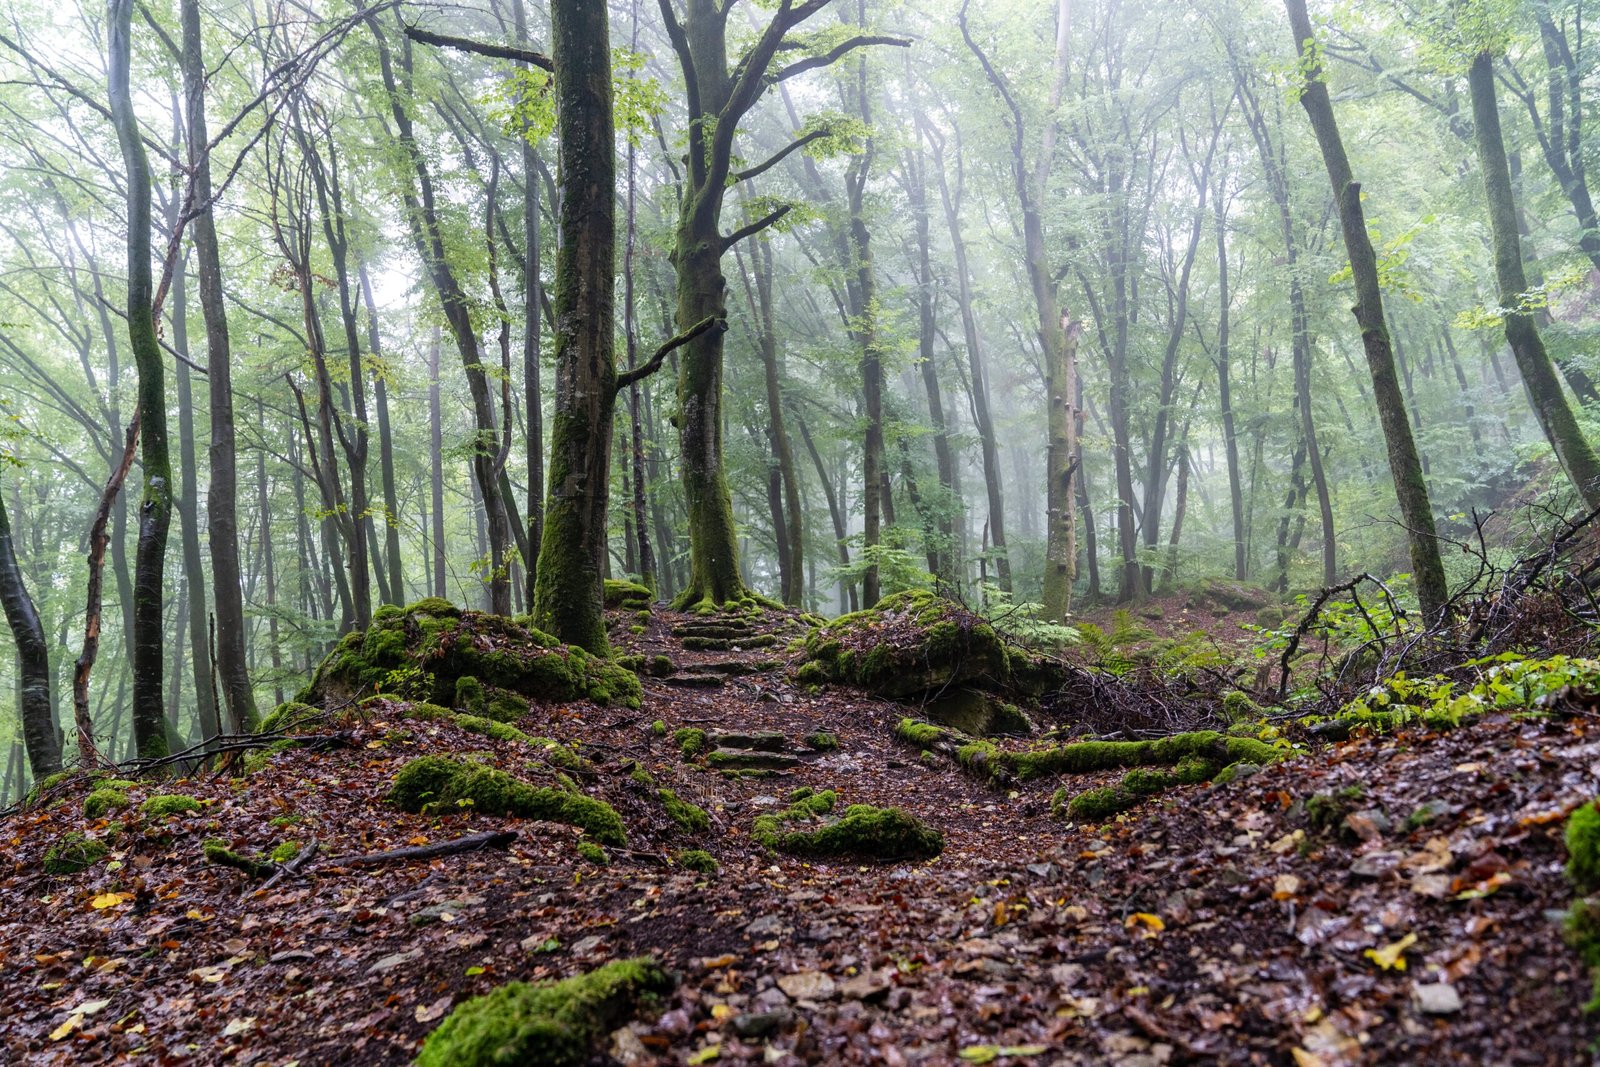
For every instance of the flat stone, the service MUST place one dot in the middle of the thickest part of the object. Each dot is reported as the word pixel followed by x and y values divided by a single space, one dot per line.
pixel 750 760
pixel 761 1024
pixel 767 924
pixel 697 681
pixel 397 960
pixel 808 985
pixel 444 911
pixel 1436 998
pixel 760 740
pixel 867 985
pixel 1375 864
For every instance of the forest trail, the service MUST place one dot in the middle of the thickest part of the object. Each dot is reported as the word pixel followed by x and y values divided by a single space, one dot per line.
pixel 1404 917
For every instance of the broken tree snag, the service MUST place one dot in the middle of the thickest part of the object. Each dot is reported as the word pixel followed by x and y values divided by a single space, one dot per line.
pixel 499 839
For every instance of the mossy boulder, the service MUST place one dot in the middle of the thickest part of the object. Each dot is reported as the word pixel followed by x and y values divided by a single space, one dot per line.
pixel 808 828
pixel 164 804
pixel 627 596
pixel 72 853
pixel 286 716
pixel 544 1024
pixel 426 651
pixel 437 785
pixel 909 643
pixel 104 799
pixel 975 712
pixel 690 817
pixel 697 860
pixel 1583 848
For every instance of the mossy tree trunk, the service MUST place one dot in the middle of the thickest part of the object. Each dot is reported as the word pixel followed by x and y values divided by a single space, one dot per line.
pixel 37 710
pixel 155 504
pixel 1550 405
pixel 1405 466
pixel 568 595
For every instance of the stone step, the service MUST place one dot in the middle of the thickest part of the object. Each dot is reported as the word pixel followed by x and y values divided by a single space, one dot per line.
pixel 697 681
pixel 743 759
pixel 734 668
pixel 760 740
pixel 712 629
pixel 694 643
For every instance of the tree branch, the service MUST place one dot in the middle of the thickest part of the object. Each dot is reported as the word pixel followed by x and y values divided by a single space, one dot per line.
pixel 813 62
pixel 705 325
pixel 498 51
pixel 755 227
pixel 779 156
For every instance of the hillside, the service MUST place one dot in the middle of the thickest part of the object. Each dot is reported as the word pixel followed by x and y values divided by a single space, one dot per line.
pixel 1386 899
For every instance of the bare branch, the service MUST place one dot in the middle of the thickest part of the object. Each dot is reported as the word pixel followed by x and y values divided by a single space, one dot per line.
pixel 755 227
pixel 482 48
pixel 829 58
pixel 779 156
pixel 705 325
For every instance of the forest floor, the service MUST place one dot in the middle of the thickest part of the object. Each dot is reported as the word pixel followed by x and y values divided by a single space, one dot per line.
pixel 1212 924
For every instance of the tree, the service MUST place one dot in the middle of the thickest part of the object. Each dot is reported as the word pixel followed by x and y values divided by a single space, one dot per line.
pixel 155 504
pixel 1411 490
pixel 38 711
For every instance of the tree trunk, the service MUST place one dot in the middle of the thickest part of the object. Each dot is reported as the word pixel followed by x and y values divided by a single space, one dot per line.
pixel 533 292
pixel 1230 433
pixel 1550 405
pixel 35 707
pixel 568 597
pixel 155 506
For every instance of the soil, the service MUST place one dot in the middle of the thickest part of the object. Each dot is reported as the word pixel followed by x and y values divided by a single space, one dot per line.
pixel 1211 925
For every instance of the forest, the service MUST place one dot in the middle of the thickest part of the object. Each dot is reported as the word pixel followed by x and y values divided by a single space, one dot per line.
pixel 799 531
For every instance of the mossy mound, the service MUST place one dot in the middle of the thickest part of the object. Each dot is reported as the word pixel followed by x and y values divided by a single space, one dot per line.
pixel 1228 594
pixel 1583 870
pixel 909 643
pixel 698 860
pixel 863 832
pixel 690 817
pixel 164 804
pixel 975 712
pixel 1139 784
pixel 627 596
pixel 72 853
pixel 547 1024
pixel 437 785
pixel 691 741
pixel 423 652
pixel 287 716
pixel 103 800
pixel 549 749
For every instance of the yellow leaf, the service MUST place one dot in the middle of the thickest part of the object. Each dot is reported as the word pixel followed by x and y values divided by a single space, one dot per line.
pixel 72 1023
pixel 1302 1058
pixel 109 900
pixel 720 1012
pixel 705 1055
pixel 1150 925
pixel 1392 956
pixel 1285 886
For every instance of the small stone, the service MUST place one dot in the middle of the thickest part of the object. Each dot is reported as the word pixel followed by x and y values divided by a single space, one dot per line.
pixel 628 1050
pixel 1436 998
pixel 865 986
pixel 390 963
pixel 767 924
pixel 586 945
pixel 761 1024
pixel 445 911
pixel 1375 864
pixel 807 985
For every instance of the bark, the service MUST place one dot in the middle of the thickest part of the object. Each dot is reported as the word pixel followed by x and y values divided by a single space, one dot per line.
pixel 1230 433
pixel 391 499
pixel 533 294
pixel 777 425
pixel 269 568
pixel 847 589
pixel 1405 467
pixel 155 505
pixel 35 706
pixel 436 469
pixel 1550 404
pixel 568 599
pixel 639 503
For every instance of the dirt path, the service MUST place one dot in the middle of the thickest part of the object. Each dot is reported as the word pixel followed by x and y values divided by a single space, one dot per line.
pixel 1220 924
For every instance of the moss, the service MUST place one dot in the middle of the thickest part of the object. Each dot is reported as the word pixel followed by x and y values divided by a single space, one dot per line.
pixel 436 606
pixel 1583 848
pixel 935 643
pixel 1327 811
pixel 863 832
pixel 920 734
pixel 162 805
pixel 661 666
pixel 285 852
pixel 548 1024
pixel 696 859
pixel 594 853
pixel 102 801
pixel 630 596
pixel 1142 782
pixel 659 728
pixel 690 817
pixel 434 784
pixel 1097 805
pixel 691 741
pixel 1085 757
pixel 822 740
pixel 219 853
pixel 286 716
pixel 636 630
pixel 1238 707
pixel 469 695
pixel 72 853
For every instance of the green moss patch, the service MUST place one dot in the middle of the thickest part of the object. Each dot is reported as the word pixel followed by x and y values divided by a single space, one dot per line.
pixel 103 800
pixel 627 596
pixel 218 852
pixel 696 859
pixel 72 853
pixel 594 853
pixel 691 741
pixel 987 759
pixel 426 652
pixel 1136 786
pixel 164 804
pixel 690 817
pixel 862 832
pixel 437 784
pixel 1583 869
pixel 545 1024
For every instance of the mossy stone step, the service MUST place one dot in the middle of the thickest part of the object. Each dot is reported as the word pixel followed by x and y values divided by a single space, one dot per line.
pixel 695 643
pixel 697 681
pixel 735 668
pixel 744 759
pixel 760 740
pixel 712 629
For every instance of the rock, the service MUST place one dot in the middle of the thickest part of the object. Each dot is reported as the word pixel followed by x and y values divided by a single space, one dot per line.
pixel 757 740
pixel 1375 864
pixel 628 1050
pixel 1436 998
pixel 697 681
pixel 761 1024
pixel 975 712
pixel 586 945
pixel 740 759
pixel 1369 824
pixel 867 985
pixel 397 960
pixel 807 985
pixel 445 911
pixel 766 926
pixel 909 643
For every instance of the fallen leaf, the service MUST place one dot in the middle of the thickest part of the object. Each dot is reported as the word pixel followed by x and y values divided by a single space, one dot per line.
pixel 109 900
pixel 1392 956
pixel 1149 925
pixel 1285 886
pixel 427 1013
pixel 72 1023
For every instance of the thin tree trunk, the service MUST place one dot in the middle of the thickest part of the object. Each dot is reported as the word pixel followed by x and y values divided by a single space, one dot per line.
pixel 35 706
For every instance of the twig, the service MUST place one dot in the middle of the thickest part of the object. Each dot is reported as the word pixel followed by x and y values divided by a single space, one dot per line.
pixel 497 839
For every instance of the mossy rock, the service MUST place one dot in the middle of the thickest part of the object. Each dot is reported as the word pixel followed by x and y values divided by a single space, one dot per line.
pixel 103 800
pixel 438 784
pixel 546 1024
pixel 286 716
pixel 910 643
pixel 627 596
pixel 863 832
pixel 425 652
pixel 696 859
pixel 72 853
pixel 975 712
pixel 691 741
pixel 1583 848
pixel 594 853
pixel 1237 707
pixel 691 818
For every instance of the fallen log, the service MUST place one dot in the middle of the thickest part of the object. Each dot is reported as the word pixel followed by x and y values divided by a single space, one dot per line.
pixel 470 843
